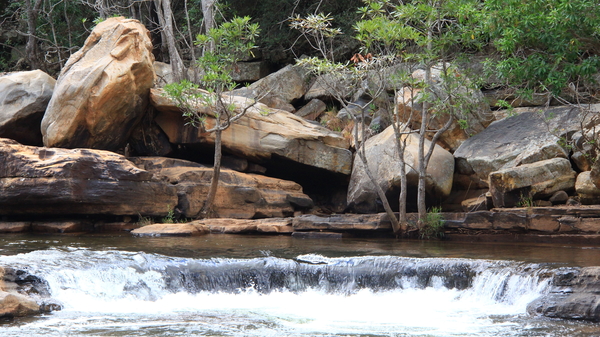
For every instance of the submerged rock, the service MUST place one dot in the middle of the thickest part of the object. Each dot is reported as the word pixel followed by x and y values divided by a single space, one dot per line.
pixel 102 92
pixel 24 97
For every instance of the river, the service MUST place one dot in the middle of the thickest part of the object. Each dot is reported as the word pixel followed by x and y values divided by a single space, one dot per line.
pixel 234 285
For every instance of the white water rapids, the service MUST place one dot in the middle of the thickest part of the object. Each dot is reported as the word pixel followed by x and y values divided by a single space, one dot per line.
pixel 117 293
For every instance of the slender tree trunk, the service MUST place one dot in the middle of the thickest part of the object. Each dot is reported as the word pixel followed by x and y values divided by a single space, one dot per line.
pixel 31 49
pixel 421 194
pixel 208 11
pixel 165 17
pixel 214 181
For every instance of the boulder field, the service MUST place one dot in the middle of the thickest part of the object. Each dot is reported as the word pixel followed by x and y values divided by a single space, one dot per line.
pixel 103 148
pixel 116 147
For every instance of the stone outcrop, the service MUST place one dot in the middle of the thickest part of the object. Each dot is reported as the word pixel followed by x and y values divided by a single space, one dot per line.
pixel 278 89
pixel 586 189
pixel 170 229
pixel 516 140
pixel 37 180
pixel 239 195
pixel 260 134
pixel 383 162
pixel 534 181
pixel 473 111
pixel 574 294
pixel 102 91
pixel 24 97
pixel 343 222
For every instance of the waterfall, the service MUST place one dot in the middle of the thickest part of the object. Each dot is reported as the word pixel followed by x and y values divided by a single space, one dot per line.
pixel 311 294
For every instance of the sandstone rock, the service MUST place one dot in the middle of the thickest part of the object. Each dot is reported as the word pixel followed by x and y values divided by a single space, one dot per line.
pixel 514 141
pixel 37 180
pixel 260 134
pixel 383 162
pixel 170 229
pixel 312 110
pixel 560 197
pixel 239 195
pixel 24 97
pixel 326 86
pixel 343 222
pixel 249 71
pixel 61 226
pixel 15 227
pixel 287 84
pixel 17 305
pixel 228 226
pixel 102 91
pixel 587 191
pixel 475 113
pixel 574 295
pixel 537 180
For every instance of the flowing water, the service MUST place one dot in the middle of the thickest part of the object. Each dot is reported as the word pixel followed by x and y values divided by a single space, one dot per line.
pixel 221 285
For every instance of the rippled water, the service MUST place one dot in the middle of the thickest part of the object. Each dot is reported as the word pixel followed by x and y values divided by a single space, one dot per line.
pixel 222 285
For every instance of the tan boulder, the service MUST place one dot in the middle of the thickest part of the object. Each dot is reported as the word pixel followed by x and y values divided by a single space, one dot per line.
pixel 382 158
pixel 170 229
pixel 102 91
pixel 260 134
pixel 239 195
pixel 17 305
pixel 24 97
pixel 36 180
pixel 587 191
pixel 541 179
pixel 472 116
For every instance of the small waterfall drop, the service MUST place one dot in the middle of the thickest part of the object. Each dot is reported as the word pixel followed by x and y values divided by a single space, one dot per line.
pixel 309 295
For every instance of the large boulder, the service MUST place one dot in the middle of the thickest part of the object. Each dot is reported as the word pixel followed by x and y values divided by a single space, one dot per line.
pixel 383 162
pixel 102 92
pixel 471 116
pixel 24 97
pixel 521 139
pixel 239 195
pixel 588 192
pixel 260 134
pixel 537 180
pixel 280 88
pixel 36 180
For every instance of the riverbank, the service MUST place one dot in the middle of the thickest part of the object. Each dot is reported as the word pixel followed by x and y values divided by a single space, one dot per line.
pixel 562 224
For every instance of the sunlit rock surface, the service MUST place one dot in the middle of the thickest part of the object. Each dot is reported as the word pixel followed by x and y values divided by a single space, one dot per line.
pixel 37 180
pixel 102 91
pixel 24 97
pixel 260 134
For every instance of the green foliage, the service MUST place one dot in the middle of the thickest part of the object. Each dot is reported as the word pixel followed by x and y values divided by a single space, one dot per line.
pixel 545 44
pixel 525 200
pixel 170 217
pixel 224 47
pixel 433 225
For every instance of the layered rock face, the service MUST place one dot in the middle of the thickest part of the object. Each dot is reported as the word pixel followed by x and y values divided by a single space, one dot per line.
pixel 24 97
pixel 102 91
pixel 37 180
pixel 239 195
pixel 575 294
pixel 516 140
pixel 535 180
pixel 260 134
pixel 382 158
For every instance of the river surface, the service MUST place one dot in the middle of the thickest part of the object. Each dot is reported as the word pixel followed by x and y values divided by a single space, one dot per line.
pixel 235 285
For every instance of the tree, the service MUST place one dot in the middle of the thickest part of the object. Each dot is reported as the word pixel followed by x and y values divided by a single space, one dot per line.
pixel 232 42
pixel 387 32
